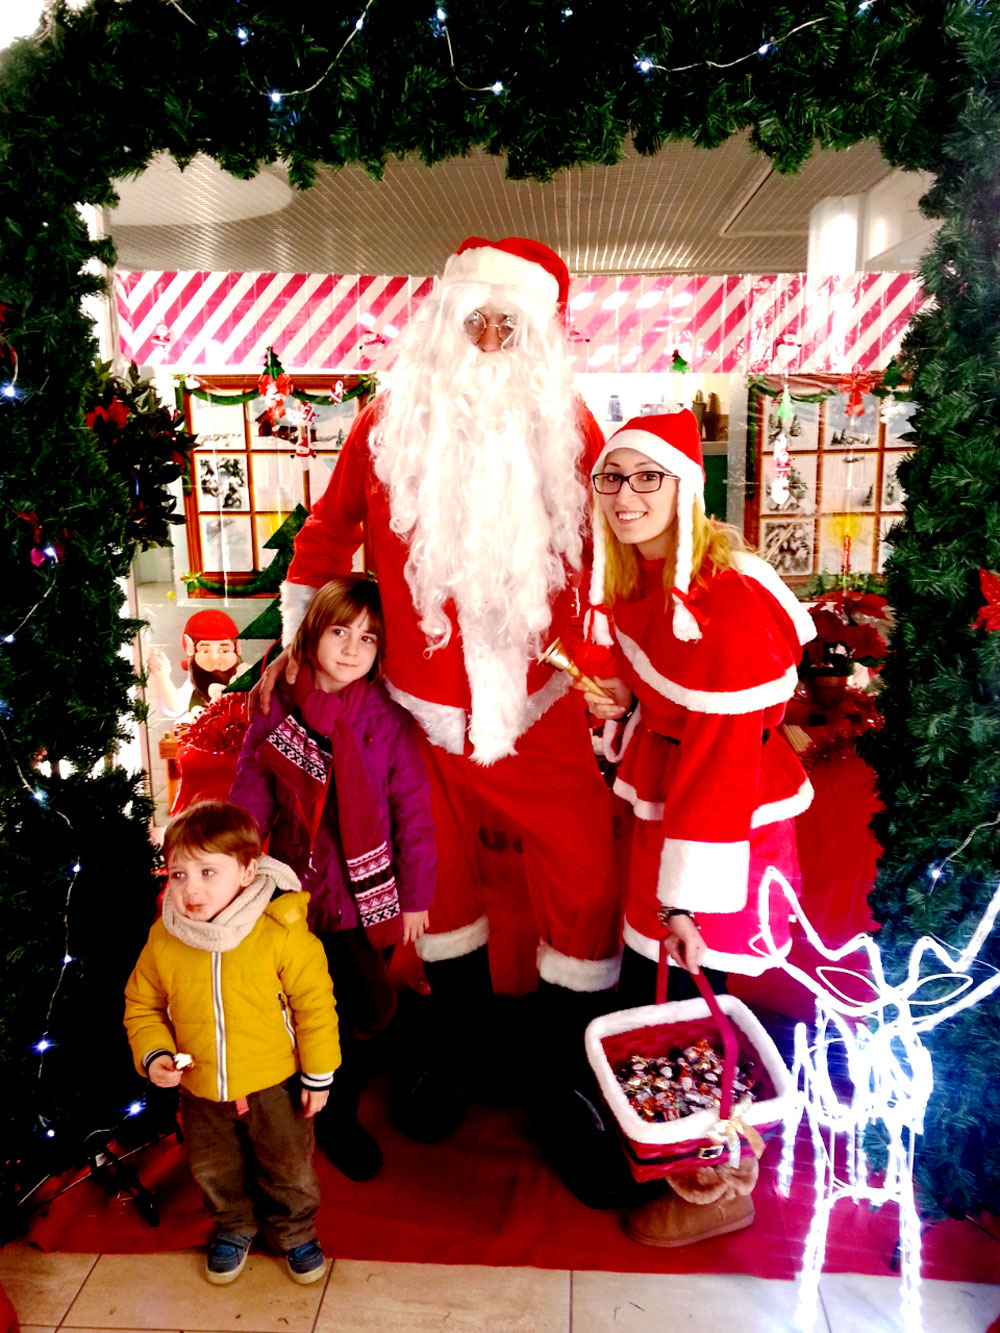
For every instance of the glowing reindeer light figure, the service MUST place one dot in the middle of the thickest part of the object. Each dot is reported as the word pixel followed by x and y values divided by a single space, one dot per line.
pixel 892 1078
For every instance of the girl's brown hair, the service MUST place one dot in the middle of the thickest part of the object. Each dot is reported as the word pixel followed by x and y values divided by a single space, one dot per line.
pixel 216 827
pixel 340 602
pixel 712 550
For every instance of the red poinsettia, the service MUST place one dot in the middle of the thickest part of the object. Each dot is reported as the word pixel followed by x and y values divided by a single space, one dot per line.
pixel 848 630
pixel 988 615
pixel 116 412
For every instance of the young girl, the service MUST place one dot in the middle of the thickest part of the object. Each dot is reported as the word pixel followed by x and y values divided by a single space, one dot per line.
pixel 332 772
pixel 707 640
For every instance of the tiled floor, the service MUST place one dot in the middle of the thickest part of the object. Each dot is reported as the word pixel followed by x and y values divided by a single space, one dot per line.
pixel 81 1293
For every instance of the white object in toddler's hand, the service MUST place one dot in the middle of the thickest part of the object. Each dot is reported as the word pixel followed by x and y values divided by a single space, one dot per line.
pixel 183 1061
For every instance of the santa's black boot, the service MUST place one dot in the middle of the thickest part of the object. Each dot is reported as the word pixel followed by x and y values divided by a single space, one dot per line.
pixel 576 1130
pixel 430 1094
pixel 339 1134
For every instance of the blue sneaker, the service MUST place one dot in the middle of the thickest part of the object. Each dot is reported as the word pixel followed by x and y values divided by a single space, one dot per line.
pixel 306 1263
pixel 226 1257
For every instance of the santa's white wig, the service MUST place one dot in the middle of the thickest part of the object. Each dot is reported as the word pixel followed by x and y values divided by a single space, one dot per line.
pixel 480 453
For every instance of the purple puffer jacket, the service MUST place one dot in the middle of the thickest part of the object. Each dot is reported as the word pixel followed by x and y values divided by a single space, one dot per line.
pixel 386 737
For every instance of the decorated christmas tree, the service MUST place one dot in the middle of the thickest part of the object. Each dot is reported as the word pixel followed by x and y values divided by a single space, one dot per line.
pixel 938 756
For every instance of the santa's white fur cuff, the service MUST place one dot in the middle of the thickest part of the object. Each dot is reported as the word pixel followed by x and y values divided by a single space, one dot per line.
pixel 578 974
pixel 446 944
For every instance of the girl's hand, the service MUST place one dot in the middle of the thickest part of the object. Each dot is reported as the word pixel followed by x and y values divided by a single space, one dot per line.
pixel 313 1102
pixel 684 942
pixel 162 1073
pixel 414 925
pixel 609 709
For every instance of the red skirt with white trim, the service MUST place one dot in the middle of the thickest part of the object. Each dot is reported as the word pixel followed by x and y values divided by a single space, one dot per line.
pixel 731 937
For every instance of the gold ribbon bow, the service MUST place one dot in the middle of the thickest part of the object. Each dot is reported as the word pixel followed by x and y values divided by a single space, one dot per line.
pixel 732 1130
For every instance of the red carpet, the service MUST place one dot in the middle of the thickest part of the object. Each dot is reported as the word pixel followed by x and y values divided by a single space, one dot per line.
pixel 486 1197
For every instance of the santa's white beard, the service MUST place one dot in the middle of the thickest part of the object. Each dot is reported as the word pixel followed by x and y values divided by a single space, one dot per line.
pixel 483 484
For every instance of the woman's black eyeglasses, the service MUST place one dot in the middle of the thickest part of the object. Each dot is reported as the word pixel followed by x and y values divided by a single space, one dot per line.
pixel 610 483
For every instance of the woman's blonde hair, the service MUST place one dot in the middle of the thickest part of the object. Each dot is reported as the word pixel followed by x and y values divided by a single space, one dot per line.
pixel 340 602
pixel 712 549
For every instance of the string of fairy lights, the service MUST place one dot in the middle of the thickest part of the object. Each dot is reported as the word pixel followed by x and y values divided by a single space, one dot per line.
pixel 645 62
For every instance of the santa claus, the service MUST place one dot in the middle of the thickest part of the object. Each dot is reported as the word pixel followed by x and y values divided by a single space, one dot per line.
pixel 467 476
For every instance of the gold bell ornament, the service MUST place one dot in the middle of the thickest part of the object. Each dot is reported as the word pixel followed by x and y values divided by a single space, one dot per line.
pixel 555 655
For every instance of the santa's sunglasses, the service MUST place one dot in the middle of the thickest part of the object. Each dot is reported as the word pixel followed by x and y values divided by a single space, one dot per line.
pixel 476 324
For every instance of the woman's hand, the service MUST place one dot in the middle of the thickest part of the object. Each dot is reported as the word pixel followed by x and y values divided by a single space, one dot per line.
pixel 604 707
pixel 283 665
pixel 684 942
pixel 414 925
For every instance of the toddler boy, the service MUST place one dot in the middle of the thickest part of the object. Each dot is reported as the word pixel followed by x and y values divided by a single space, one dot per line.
pixel 231 998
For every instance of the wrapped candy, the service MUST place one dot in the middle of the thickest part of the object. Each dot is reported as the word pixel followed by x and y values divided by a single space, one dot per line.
pixel 669 1087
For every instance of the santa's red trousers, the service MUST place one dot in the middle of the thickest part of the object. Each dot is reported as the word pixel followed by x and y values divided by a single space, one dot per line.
pixel 551 795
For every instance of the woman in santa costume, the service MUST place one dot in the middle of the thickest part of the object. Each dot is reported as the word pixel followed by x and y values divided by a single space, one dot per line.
pixel 708 642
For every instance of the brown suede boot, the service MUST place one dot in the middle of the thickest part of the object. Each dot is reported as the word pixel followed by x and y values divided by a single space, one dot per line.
pixel 711 1201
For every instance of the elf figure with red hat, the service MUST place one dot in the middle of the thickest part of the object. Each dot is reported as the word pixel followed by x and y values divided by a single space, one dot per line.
pixel 212 659
pixel 708 641
pixel 469 477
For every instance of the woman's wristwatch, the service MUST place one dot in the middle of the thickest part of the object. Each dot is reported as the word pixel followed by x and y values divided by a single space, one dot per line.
pixel 665 914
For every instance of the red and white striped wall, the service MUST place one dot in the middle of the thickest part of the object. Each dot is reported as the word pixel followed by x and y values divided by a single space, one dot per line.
pixel 226 321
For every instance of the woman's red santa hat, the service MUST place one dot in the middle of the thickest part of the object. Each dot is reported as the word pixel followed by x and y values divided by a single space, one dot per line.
pixel 674 441
pixel 515 263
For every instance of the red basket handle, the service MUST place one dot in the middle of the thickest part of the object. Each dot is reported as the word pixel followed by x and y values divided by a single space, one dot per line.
pixel 730 1045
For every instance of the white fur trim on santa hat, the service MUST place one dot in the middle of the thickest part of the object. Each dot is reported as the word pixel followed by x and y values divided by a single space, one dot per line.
pixel 295 600
pixel 487 266
pixel 685 626
pixel 675 461
pixel 453 943
pixel 716 873
pixel 577 974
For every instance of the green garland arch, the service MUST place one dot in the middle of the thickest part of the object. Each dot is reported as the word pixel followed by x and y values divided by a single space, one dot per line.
pixel 550 86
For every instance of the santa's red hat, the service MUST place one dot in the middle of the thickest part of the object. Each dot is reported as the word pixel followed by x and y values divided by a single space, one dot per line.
pixel 513 263
pixel 674 441
pixel 208 624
